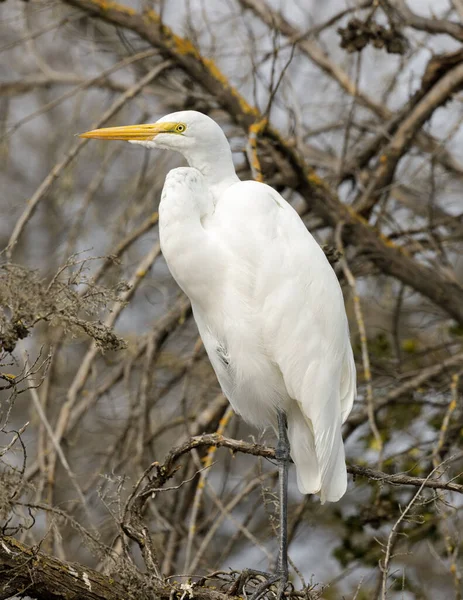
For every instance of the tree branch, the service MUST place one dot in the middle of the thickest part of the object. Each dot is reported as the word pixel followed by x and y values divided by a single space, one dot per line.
pixel 433 25
pixel 415 118
pixel 166 471
pixel 309 47
pixel 26 570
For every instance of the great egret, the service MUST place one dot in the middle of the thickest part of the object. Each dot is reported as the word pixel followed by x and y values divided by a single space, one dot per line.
pixel 267 303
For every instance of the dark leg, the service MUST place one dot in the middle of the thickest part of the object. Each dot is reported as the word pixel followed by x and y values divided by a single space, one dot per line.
pixel 283 457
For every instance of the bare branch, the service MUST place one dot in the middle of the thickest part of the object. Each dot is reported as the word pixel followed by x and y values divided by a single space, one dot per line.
pixel 72 153
pixel 411 19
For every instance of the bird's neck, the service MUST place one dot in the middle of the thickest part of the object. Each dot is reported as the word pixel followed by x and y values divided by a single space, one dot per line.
pixel 217 169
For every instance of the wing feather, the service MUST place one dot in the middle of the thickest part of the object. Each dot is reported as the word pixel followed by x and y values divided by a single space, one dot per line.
pixel 293 294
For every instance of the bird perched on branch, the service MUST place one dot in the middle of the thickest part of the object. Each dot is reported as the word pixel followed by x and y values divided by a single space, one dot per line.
pixel 267 303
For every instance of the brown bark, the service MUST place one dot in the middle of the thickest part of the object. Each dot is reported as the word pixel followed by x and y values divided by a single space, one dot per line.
pixel 26 570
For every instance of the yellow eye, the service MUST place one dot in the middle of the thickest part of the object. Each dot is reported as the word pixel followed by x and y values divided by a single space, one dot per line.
pixel 180 128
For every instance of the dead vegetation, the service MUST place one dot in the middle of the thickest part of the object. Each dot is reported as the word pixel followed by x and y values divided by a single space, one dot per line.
pixel 27 299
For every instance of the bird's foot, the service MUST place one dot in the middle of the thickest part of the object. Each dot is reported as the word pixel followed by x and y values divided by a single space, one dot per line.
pixel 278 580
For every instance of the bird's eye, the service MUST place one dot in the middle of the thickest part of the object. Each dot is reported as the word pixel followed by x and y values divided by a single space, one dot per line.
pixel 180 128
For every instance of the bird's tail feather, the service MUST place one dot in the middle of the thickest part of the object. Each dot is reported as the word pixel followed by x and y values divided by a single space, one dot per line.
pixel 318 453
pixel 303 453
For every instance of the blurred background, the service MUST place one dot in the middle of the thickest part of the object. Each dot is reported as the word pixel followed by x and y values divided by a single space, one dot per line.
pixel 102 371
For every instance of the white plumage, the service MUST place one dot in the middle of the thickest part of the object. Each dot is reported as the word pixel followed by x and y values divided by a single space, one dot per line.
pixel 267 303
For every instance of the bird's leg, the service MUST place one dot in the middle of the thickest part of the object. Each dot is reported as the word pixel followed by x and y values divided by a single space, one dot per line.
pixel 282 456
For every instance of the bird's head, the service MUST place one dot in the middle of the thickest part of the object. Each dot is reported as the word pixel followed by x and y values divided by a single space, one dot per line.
pixel 195 135
pixel 185 131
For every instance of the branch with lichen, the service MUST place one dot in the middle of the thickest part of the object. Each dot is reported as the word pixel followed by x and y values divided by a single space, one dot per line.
pixel 255 130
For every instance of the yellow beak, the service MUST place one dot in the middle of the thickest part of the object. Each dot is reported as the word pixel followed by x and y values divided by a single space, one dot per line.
pixel 130 132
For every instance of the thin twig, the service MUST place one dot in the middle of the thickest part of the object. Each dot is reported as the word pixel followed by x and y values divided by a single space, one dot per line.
pixel 72 153
pixel 208 460
pixel 391 538
pixel 363 343
pixel 55 441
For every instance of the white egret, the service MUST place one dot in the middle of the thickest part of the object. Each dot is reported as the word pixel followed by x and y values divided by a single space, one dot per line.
pixel 267 303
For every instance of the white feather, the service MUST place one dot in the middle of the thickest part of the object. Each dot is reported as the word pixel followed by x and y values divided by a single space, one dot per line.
pixel 266 301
